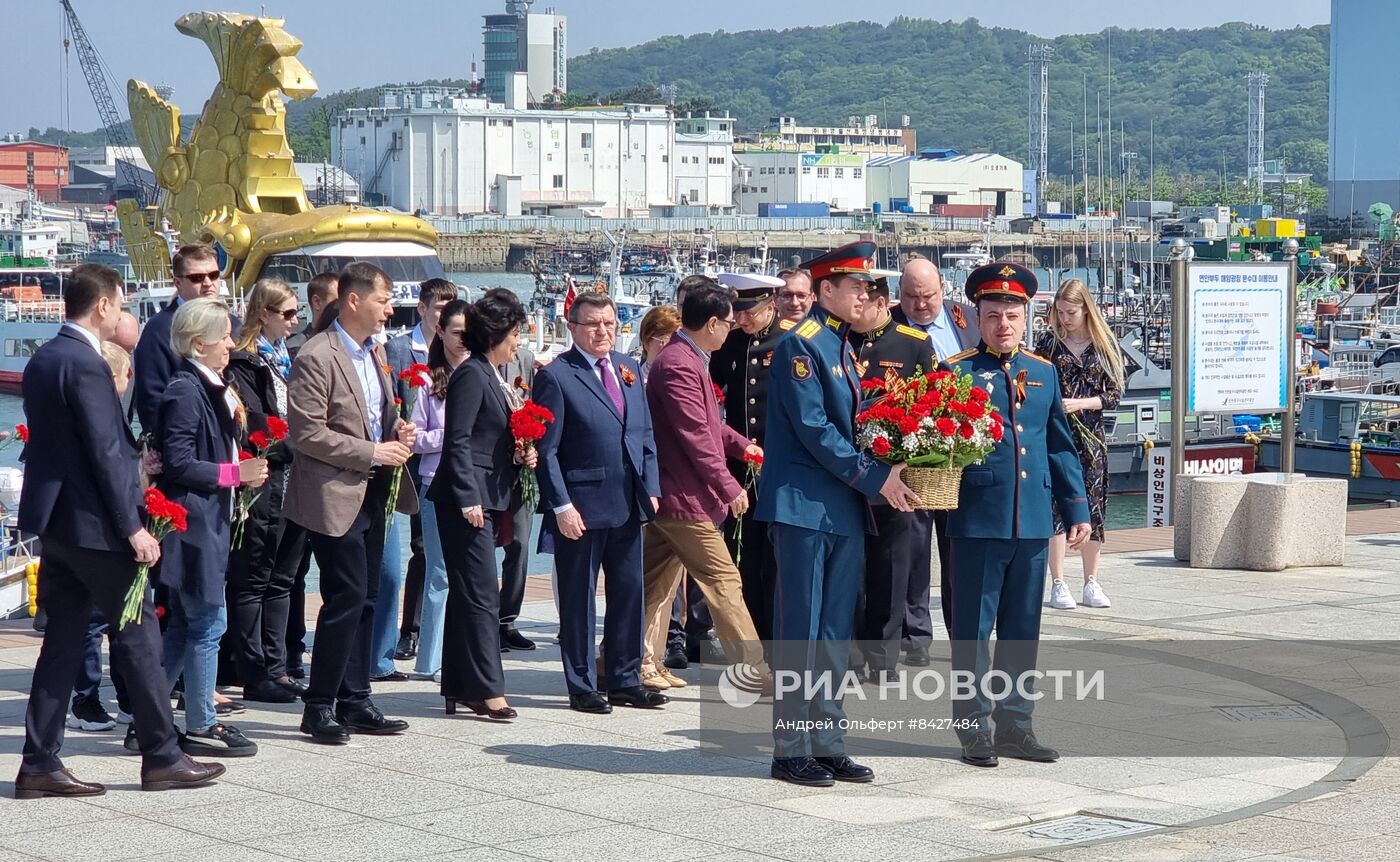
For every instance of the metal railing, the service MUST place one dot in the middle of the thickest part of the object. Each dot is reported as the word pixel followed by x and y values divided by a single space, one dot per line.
pixel 833 224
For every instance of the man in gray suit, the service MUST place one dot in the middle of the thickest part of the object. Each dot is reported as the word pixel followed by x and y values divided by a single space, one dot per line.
pixel 403 351
pixel 519 373
pixel 952 326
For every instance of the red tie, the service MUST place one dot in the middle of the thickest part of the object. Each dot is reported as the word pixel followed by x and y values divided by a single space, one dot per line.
pixel 610 384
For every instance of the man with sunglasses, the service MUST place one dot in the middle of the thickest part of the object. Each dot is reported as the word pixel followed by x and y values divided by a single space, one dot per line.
pixel 195 273
pixel 740 368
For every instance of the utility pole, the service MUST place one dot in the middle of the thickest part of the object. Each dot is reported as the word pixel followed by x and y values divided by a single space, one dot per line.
pixel 1257 81
pixel 1039 144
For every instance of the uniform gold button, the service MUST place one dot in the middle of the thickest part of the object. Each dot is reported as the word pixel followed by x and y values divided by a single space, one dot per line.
pixel 1023 450
pixel 1019 428
pixel 753 439
pixel 1006 365
pixel 753 380
pixel 753 361
pixel 1023 472
pixel 753 401
pixel 753 421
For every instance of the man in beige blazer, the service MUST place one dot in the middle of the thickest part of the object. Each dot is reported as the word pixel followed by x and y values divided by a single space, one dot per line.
pixel 349 442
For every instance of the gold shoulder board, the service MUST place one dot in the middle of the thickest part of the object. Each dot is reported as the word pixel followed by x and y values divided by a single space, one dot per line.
pixel 911 331
pixel 971 351
pixel 808 329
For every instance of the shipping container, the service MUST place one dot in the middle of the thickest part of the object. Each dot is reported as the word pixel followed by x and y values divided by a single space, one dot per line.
pixel 964 210
pixel 794 210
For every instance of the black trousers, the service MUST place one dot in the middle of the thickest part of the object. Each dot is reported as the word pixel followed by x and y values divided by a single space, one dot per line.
pixel 413 576
pixel 690 616
pixel 516 560
pixel 293 562
pixel 758 571
pixel 259 593
pixel 471 632
pixel 88 684
pixel 892 564
pixel 349 567
pixel 913 627
pixel 74 581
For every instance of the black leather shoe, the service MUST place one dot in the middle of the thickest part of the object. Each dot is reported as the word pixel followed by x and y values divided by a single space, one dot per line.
pixel 391 676
pixel 407 647
pixel 592 701
pixel 979 751
pixel 369 720
pixel 842 768
pixel 512 639
pixel 131 743
pixel 639 696
pixel 182 773
pixel 267 691
pixel 917 656
pixel 801 770
pixel 36 785
pixel 296 671
pixel 675 657
pixel 296 688
pixel 320 722
pixel 1022 745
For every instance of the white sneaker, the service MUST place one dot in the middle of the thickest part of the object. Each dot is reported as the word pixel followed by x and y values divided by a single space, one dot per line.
pixel 1094 595
pixel 1060 599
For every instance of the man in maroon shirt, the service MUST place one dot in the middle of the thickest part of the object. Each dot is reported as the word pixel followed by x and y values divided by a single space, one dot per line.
pixel 697 489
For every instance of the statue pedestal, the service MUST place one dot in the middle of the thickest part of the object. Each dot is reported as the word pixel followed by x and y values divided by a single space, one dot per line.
pixel 1263 522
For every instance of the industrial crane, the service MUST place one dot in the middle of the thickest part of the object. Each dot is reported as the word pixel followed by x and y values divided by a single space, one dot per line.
pixel 98 79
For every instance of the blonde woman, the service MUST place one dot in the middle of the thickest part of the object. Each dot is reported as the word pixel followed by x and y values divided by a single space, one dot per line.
pixel 1090 365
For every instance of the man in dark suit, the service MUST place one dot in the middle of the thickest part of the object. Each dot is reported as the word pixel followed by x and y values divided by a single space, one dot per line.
pixel 403 351
pixel 598 485
pixel 519 374
pixel 952 327
pixel 348 439
pixel 195 271
pixel 82 497
pixel 321 291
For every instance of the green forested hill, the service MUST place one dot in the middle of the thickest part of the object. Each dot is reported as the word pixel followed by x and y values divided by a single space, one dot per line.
pixel 964 85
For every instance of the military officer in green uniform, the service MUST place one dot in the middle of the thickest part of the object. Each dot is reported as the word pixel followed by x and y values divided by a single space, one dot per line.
pixel 815 493
pixel 1001 530
pixel 740 369
pixel 900 551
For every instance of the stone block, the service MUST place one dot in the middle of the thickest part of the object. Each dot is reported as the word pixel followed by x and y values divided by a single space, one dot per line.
pixel 1261 522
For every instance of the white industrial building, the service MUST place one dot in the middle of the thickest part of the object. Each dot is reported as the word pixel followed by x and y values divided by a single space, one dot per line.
pixel 704 165
pixel 444 152
pixel 859 135
pixel 935 178
pixel 1363 166
pixel 768 177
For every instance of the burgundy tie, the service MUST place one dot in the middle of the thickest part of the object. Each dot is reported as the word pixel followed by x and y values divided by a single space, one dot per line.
pixel 610 383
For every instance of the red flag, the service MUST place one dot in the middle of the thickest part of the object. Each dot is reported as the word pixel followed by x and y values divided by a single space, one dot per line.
pixel 569 297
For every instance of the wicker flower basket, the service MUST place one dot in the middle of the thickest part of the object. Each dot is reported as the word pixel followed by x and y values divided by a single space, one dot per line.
pixel 937 487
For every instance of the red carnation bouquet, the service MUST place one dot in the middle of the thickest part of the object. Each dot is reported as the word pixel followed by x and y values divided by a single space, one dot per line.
pixel 936 424
pixel 527 426
pixel 753 465
pixel 163 517
pixel 417 376
pixel 262 442
pixel 21 433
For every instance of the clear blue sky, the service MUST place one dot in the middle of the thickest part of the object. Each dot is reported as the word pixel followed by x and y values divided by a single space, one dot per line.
pixel 361 43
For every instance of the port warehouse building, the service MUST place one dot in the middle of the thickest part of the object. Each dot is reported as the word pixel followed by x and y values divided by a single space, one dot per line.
pixel 444 152
pixel 935 180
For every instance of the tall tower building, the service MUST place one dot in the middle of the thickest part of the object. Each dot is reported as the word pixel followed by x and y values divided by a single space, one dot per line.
pixel 524 41
pixel 1363 164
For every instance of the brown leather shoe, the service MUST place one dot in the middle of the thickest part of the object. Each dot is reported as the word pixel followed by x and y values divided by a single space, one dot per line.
pixel 184 772
pixel 36 785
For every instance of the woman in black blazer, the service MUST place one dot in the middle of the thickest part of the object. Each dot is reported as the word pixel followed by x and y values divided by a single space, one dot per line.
pixel 470 492
pixel 198 427
pixel 259 596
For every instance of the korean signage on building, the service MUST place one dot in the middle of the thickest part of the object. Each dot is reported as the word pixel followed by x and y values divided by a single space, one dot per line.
pixel 1237 351
pixel 1218 459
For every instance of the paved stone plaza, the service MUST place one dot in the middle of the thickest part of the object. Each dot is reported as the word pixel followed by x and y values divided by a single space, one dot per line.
pixel 637 785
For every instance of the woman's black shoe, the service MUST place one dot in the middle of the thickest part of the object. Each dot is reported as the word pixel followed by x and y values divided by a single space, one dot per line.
pixel 479 707
pixel 268 691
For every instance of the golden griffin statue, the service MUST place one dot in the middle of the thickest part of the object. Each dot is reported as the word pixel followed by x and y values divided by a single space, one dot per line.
pixel 233 182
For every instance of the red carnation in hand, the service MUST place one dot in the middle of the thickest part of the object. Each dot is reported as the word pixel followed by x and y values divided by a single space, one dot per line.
pixel 246 456
pixel 965 430
pixel 996 431
pixel 880 446
pixel 978 396
pixel 908 424
pixel 973 410
pixel 946 426
pixel 22 432
pixel 719 394
pixel 872 386
pixel 416 375
pixel 259 439
pixel 276 428
pixel 753 458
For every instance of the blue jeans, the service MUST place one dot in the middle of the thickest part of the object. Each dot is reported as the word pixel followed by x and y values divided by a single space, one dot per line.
pixel 434 591
pixel 192 637
pixel 385 631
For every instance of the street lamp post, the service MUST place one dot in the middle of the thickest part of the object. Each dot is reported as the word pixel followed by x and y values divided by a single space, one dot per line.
pixel 1179 258
pixel 1289 431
